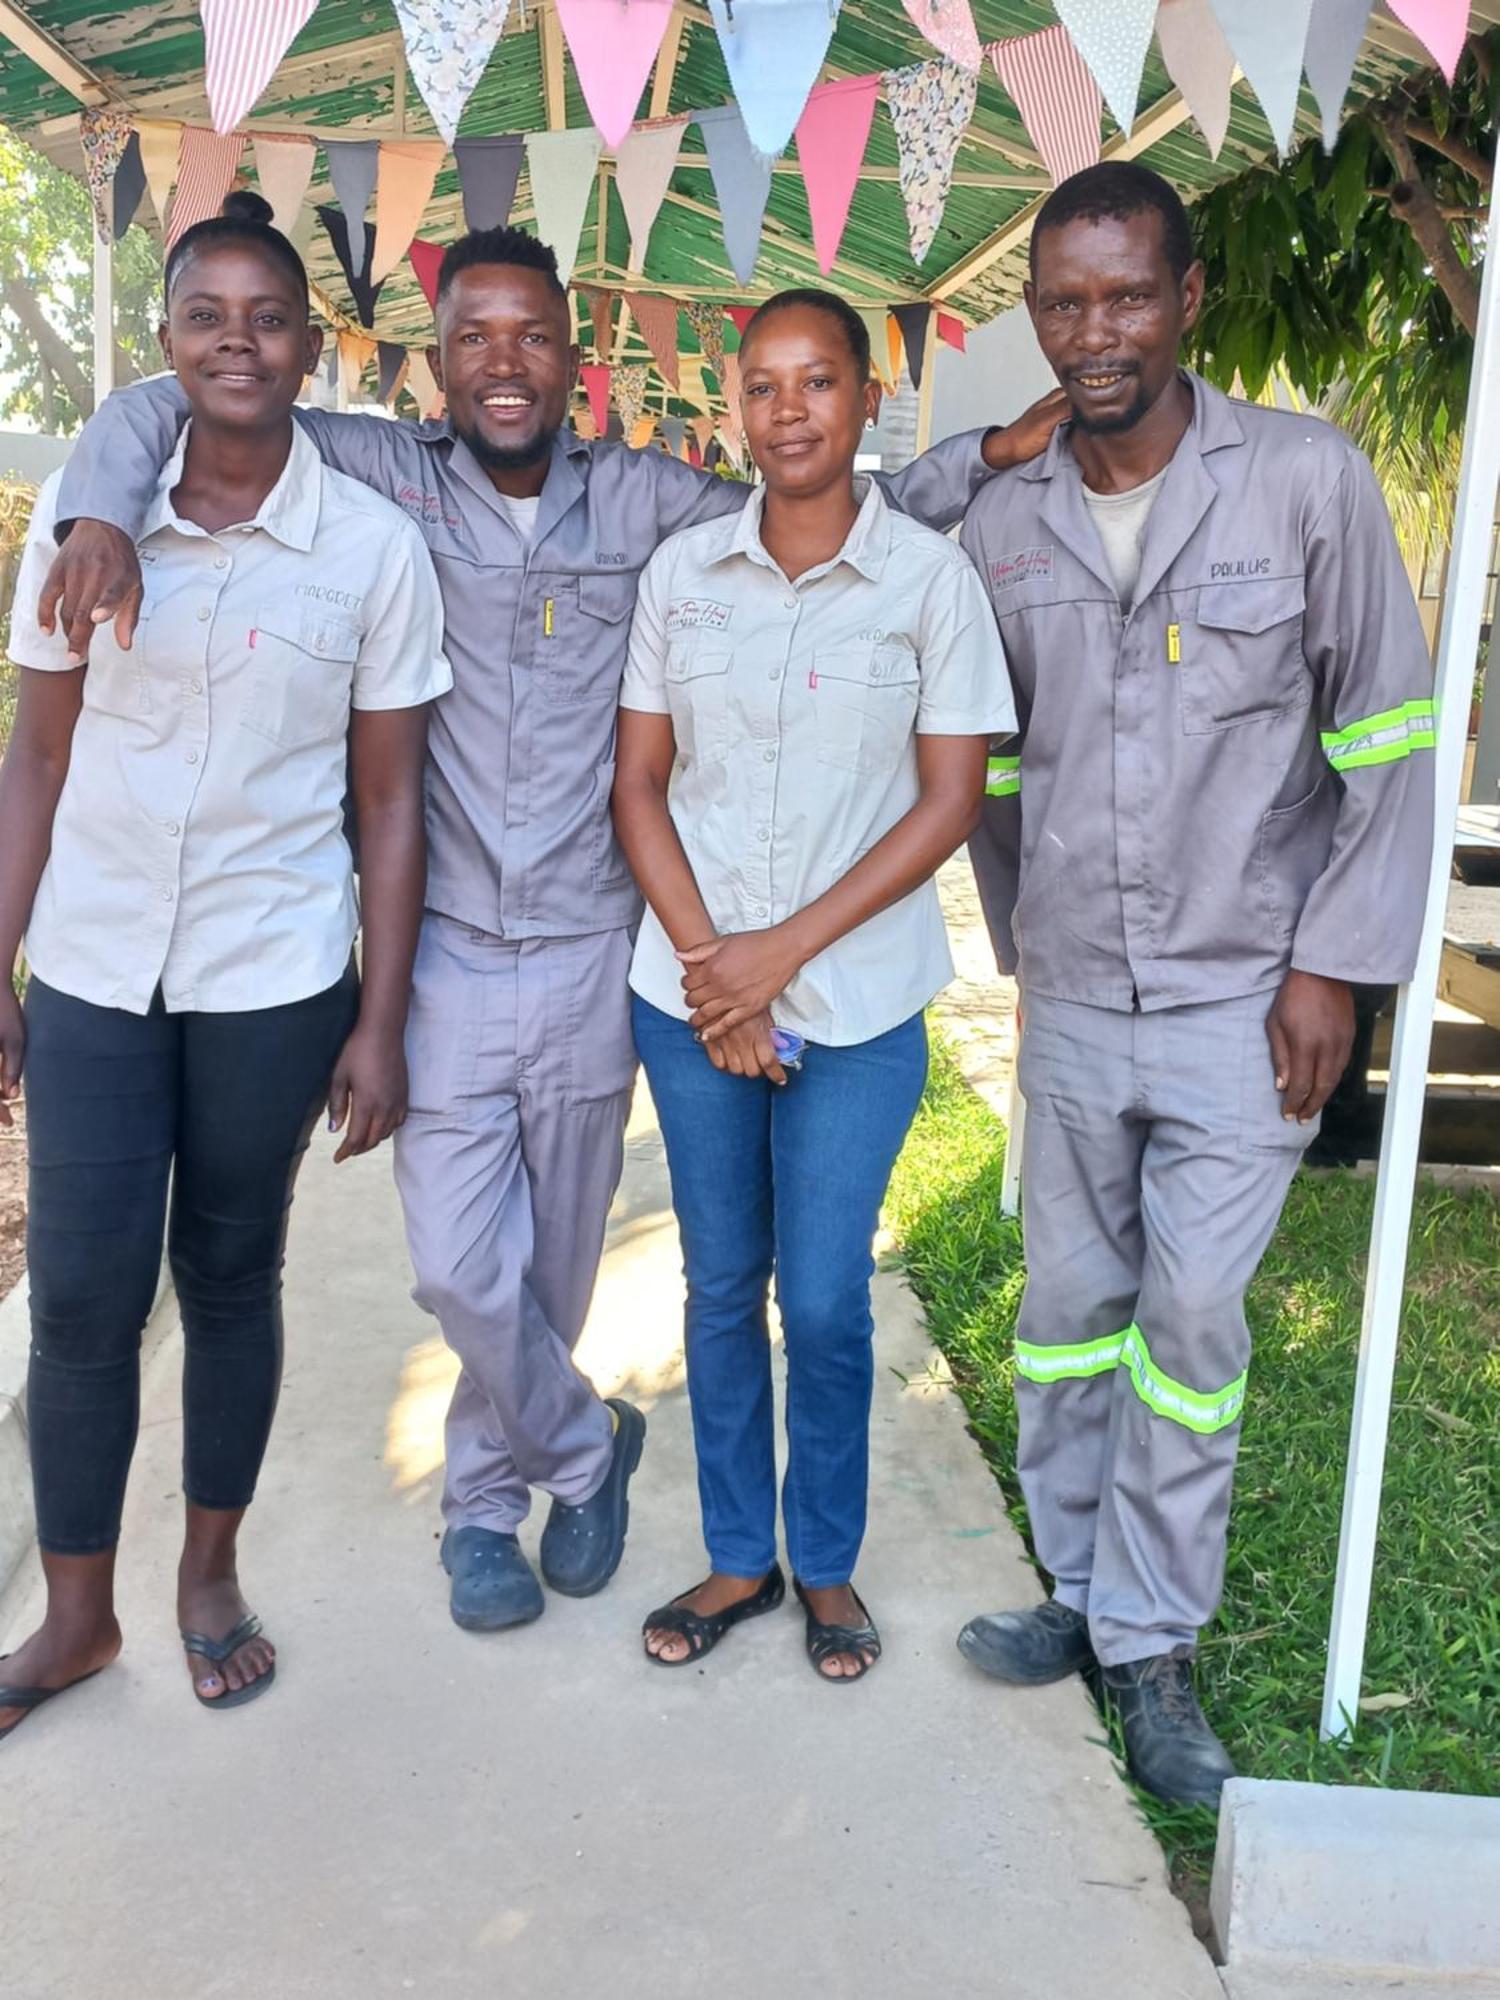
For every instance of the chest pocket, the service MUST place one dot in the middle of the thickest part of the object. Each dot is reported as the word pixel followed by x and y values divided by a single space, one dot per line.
pixel 302 675
pixel 865 704
pixel 584 657
pixel 1243 662
pixel 698 697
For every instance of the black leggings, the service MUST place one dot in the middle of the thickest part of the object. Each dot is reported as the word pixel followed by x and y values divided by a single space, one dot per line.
pixel 221 1106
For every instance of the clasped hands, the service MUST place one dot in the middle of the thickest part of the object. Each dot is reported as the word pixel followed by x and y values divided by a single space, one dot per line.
pixel 730 983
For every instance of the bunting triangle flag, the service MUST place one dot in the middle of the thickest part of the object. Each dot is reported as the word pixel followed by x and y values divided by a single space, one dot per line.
pixel 657 319
pixel 243 43
pixel 674 430
pixel 104 131
pixel 284 166
pixel 161 141
pixel 949 26
pixel 1113 36
pixel 423 385
pixel 930 105
pixel 427 262
pixel 596 378
pixel 361 290
pixel 1201 63
pixel 488 170
pixel 356 351
pixel 562 168
pixel 629 386
pixel 644 165
pixel 392 364
pixel 895 345
pixel 914 322
pixel 129 186
pixel 773 56
pixel 832 134
pixel 732 424
pixel 1268 45
pixel 642 431
pixel 613 48
pixel 448 45
pixel 875 319
pixel 408 173
pixel 1441 26
pixel 741 316
pixel 1057 96
pixel 352 167
pixel 742 182
pixel 601 304
pixel 951 332
pixel 707 322
pixel 1334 34
pixel 206 166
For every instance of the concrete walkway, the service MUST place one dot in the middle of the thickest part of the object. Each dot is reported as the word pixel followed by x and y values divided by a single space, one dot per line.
pixel 416 1811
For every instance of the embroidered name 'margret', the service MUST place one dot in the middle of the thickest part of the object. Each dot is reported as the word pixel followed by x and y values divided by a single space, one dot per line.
pixel 1025 566
pixel 346 600
pixel 1221 572
pixel 701 612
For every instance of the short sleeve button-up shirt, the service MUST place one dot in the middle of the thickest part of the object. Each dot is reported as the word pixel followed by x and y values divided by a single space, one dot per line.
pixel 796 707
pixel 198 843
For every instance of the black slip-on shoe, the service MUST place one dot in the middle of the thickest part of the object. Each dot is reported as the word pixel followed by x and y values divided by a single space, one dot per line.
pixel 1029 1648
pixel 493 1584
pixel 582 1545
pixel 1169 1747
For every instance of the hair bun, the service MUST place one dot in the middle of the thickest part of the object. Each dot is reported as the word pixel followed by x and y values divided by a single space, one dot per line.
pixel 245 205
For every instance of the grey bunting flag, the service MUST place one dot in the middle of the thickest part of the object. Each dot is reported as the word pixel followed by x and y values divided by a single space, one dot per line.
pixel 391 359
pixel 352 167
pixel 1333 37
pixel 488 170
pixel 742 181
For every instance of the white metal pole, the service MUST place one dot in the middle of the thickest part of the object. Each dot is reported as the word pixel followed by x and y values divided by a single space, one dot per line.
pixel 104 319
pixel 1405 1095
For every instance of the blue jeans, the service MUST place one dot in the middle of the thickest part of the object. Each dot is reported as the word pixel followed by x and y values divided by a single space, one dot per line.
pixel 786 1181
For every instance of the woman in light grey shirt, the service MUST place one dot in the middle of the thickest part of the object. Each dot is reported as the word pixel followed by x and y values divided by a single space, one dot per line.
pixel 806 708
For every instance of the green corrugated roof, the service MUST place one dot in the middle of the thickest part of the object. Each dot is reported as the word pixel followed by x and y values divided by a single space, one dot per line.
pixel 341 70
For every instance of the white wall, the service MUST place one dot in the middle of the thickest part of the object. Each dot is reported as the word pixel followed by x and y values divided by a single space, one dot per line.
pixel 999 375
pixel 31 455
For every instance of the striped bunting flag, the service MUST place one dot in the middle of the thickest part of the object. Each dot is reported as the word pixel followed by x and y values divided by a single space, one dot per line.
pixel 244 43
pixel 206 166
pixel 1056 95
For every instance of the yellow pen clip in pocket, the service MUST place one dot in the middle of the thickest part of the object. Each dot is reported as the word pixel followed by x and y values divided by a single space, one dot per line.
pixel 547 618
pixel 1174 645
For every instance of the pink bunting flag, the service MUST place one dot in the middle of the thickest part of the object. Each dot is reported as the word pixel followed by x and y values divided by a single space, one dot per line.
pixel 657 319
pixel 832 134
pixel 613 48
pixel 741 315
pixel 1055 92
pixel 207 163
pixel 951 332
pixel 1441 26
pixel 408 169
pixel 426 261
pixel 949 26
pixel 596 379
pixel 243 43
pixel 284 166
pixel 1200 62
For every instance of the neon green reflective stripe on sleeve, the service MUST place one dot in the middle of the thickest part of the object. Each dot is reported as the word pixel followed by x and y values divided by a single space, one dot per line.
pixel 1194 1410
pixel 1383 738
pixel 1003 779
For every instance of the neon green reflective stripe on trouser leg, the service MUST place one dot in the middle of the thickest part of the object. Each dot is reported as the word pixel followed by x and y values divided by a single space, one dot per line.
pixel 1156 1389
pixel 1003 778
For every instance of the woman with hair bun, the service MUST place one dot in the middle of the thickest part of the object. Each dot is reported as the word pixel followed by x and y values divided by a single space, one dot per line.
pixel 172 849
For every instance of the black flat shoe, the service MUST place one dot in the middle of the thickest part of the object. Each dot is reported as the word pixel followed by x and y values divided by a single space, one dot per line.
pixel 861 1642
pixel 30 1698
pixel 704 1630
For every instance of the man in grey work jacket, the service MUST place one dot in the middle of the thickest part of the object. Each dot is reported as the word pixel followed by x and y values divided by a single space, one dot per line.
pixel 1218 815
pixel 518 1044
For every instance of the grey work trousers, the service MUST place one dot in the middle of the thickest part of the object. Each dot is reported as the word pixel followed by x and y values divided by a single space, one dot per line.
pixel 1156 1162
pixel 521 1065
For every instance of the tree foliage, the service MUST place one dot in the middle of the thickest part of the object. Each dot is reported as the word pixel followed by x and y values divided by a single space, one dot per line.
pixel 1360 266
pixel 47 293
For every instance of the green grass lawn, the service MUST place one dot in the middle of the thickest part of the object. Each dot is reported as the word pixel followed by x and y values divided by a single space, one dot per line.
pixel 1433 1661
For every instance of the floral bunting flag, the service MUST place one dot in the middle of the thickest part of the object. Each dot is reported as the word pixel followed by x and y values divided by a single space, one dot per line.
pixel 427 262
pixel 1441 26
pixel 1113 37
pixel 1334 34
pixel 488 170
pixel 104 131
pixel 1056 94
pixel 949 26
pixel 644 165
pixel 284 166
pixel 448 46
pixel 613 47
pixel 832 134
pixel 243 43
pixel 657 319
pixel 207 163
pixel 629 387
pixel 562 168
pixel 742 181
pixel 773 55
pixel 707 322
pixel 408 173
pixel 1200 63
pixel 1268 45
pixel 596 379
pixel 930 104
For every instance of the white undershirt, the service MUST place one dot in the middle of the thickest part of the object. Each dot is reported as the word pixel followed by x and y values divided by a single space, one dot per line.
pixel 1121 520
pixel 521 514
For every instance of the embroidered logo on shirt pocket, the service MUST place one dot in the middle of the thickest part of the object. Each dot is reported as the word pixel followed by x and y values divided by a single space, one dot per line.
pixel 1243 660
pixel 301 676
pixel 698 699
pixel 865 704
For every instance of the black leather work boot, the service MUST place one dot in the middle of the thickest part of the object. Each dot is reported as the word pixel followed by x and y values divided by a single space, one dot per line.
pixel 1029 1648
pixel 1169 1746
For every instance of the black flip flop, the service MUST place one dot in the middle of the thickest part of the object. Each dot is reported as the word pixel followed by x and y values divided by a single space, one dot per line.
pixel 823 1641
pixel 216 1652
pixel 33 1697
pixel 703 1631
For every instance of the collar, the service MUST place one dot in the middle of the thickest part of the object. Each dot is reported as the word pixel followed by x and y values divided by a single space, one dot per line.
pixel 865 548
pixel 289 512
pixel 1213 425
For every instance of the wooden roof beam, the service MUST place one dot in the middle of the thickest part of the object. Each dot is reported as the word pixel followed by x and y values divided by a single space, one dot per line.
pixel 665 74
pixel 554 74
pixel 1164 116
pixel 18 28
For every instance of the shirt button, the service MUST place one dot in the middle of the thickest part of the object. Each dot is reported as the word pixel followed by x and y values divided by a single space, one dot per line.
pixel 191 758
pixel 790 602
pixel 166 895
pixel 196 686
pixel 221 562
pixel 204 612
pixel 172 827
pixel 770 756
pixel 762 833
pixel 775 674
